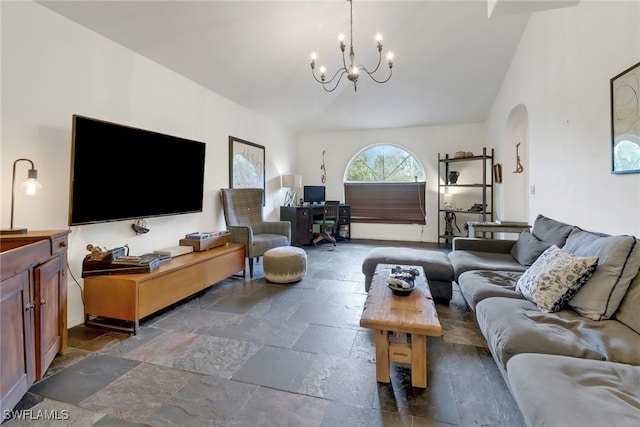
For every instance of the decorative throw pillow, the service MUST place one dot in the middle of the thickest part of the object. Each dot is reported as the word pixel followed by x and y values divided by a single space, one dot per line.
pixel 528 248
pixel 551 231
pixel 618 263
pixel 554 278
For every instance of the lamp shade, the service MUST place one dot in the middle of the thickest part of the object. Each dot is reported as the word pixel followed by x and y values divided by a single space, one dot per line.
pixel 291 181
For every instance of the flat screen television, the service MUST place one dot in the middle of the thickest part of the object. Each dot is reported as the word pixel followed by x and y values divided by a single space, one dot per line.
pixel 120 172
pixel 313 193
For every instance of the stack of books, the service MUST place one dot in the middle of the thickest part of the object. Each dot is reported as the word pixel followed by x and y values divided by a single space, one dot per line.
pixel 206 235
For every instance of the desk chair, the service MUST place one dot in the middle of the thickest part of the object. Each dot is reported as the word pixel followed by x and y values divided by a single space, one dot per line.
pixel 328 223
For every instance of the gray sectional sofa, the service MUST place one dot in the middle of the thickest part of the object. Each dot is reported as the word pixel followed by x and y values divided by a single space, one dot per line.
pixel 560 310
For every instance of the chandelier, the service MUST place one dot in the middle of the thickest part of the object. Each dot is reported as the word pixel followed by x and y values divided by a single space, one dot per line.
pixel 352 71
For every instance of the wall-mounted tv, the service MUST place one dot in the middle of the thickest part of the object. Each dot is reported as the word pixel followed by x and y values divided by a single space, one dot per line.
pixel 120 172
pixel 313 193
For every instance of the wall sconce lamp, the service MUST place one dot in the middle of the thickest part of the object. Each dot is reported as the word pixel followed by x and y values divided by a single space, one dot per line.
pixel 30 187
pixel 290 182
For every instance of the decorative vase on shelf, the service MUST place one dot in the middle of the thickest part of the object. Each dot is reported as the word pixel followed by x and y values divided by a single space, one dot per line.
pixel 453 177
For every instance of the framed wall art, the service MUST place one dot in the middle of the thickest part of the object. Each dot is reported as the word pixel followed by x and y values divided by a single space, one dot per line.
pixel 246 164
pixel 625 121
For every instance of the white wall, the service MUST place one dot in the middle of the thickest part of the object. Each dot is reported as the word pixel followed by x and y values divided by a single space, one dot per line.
pixel 53 68
pixel 560 74
pixel 423 142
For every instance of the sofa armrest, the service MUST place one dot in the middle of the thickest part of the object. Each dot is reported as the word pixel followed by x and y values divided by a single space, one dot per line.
pixel 241 234
pixel 482 245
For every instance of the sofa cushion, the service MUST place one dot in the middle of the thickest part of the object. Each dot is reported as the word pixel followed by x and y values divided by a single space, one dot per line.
pixel 551 231
pixel 554 278
pixel 512 326
pixel 565 391
pixel 528 248
pixel 472 260
pixel 480 284
pixel 618 264
pixel 629 310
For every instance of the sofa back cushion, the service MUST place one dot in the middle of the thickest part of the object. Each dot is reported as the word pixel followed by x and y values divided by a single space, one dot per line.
pixel 551 231
pixel 618 263
pixel 629 310
pixel 528 248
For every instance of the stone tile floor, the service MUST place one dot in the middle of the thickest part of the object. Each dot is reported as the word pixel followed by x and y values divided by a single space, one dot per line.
pixel 247 352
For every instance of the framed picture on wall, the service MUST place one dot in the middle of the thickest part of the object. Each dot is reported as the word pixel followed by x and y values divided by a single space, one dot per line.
pixel 246 164
pixel 625 121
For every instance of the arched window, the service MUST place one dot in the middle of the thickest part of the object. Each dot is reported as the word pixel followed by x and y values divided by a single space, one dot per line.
pixel 384 163
pixel 384 183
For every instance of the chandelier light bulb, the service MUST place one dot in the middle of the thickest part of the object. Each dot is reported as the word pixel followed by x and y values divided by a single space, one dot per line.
pixel 378 37
pixel 314 56
pixel 322 69
pixel 341 37
pixel 390 56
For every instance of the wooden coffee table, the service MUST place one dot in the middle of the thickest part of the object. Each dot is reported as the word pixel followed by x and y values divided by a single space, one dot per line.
pixel 401 325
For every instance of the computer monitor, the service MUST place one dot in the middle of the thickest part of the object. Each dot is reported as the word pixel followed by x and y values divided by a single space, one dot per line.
pixel 314 193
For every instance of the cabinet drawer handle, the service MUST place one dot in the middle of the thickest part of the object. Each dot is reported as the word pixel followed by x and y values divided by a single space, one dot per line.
pixel 43 301
pixel 63 244
pixel 28 306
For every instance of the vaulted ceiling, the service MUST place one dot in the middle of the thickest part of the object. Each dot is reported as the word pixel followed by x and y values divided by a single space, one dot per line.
pixel 450 57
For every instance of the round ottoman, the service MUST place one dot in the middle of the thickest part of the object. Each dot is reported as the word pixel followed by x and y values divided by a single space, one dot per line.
pixel 285 264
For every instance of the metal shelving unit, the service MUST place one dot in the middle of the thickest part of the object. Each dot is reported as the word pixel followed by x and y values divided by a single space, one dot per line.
pixel 484 188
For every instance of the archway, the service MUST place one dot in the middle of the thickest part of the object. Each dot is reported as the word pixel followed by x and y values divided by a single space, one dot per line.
pixel 515 170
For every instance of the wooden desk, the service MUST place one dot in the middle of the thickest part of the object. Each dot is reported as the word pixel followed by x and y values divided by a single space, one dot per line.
pixel 301 219
pixel 476 227
pixel 131 297
pixel 401 325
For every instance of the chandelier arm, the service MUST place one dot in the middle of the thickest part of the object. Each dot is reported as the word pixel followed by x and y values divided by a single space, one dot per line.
pixel 362 67
pixel 324 82
pixel 342 72
pixel 344 60
pixel 380 81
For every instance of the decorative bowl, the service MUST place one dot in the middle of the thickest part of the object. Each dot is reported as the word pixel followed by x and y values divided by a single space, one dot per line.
pixel 401 287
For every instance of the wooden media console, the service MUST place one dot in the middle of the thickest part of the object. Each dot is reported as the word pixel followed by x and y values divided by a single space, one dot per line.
pixel 131 297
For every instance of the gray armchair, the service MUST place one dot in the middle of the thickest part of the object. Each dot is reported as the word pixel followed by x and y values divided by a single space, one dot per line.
pixel 243 216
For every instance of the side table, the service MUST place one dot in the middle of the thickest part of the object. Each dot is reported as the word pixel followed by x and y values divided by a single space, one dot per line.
pixel 476 227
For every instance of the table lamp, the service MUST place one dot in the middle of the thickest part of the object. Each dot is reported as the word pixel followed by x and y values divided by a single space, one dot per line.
pixel 290 182
pixel 30 187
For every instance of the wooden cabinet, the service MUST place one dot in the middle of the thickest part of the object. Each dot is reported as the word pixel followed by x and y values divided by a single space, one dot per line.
pixel 33 309
pixel 301 219
pixel 17 346
pixel 49 279
pixel 472 187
